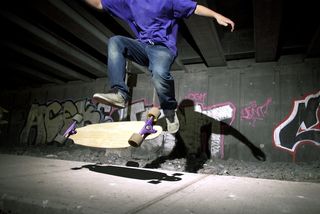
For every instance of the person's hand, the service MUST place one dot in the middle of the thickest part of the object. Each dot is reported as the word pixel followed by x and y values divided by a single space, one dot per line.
pixel 258 154
pixel 225 21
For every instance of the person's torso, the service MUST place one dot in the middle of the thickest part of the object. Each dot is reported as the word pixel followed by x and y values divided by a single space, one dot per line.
pixel 152 21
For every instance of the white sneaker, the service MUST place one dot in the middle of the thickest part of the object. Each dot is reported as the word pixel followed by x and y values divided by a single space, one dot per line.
pixel 112 98
pixel 172 120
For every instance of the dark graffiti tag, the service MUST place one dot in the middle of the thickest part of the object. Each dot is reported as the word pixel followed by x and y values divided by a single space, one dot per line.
pixel 45 121
pixel 301 126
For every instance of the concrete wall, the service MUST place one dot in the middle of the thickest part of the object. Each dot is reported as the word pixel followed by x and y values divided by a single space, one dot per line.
pixel 250 107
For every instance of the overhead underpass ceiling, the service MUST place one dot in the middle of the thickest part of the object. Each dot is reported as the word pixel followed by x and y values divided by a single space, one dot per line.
pixel 57 41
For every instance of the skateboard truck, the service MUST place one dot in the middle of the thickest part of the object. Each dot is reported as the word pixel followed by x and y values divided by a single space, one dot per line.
pixel 71 130
pixel 137 138
pixel 148 127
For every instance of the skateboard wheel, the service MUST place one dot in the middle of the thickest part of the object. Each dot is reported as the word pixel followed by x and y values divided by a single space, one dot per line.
pixel 78 118
pixel 60 139
pixel 135 140
pixel 155 112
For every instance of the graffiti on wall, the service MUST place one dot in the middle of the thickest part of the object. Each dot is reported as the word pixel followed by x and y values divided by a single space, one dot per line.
pixel 221 112
pixel 225 112
pixel 197 97
pixel 136 111
pixel 301 126
pixel 254 112
pixel 45 121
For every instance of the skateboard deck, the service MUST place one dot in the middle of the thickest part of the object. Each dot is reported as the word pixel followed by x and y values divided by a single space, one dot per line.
pixel 110 135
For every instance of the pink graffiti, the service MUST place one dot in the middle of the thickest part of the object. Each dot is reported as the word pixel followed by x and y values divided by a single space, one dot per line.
pixel 253 112
pixel 197 97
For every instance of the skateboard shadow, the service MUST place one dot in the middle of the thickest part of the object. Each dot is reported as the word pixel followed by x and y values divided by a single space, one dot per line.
pixel 192 139
pixel 140 174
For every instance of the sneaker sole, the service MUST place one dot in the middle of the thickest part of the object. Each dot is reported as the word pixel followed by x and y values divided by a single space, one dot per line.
pixel 105 101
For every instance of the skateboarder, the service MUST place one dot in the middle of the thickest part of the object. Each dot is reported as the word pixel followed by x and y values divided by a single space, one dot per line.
pixel 155 25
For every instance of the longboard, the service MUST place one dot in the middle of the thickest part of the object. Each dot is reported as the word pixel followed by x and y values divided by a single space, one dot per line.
pixel 110 135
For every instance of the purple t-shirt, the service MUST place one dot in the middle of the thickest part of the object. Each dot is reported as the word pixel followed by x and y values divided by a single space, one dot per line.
pixel 152 21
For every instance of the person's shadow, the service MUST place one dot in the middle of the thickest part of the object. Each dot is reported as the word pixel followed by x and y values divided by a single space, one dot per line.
pixel 192 139
pixel 132 173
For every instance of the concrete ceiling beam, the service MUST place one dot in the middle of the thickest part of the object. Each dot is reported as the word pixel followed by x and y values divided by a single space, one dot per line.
pixel 267 21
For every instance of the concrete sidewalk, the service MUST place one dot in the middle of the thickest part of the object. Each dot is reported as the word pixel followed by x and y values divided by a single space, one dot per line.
pixel 38 185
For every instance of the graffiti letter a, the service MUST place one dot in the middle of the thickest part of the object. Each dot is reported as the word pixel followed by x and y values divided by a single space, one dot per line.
pixel 34 129
pixel 302 125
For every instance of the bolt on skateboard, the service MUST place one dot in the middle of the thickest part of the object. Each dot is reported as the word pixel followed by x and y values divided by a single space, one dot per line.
pixel 117 134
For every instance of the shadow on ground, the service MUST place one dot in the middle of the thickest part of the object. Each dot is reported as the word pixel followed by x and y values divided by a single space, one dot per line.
pixel 132 173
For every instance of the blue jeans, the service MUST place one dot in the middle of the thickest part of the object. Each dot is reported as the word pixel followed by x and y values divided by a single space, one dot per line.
pixel 158 58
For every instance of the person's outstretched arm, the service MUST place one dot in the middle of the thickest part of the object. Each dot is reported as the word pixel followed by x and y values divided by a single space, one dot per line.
pixel 94 3
pixel 204 11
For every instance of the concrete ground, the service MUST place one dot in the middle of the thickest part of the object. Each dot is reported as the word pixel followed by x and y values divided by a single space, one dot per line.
pixel 37 185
